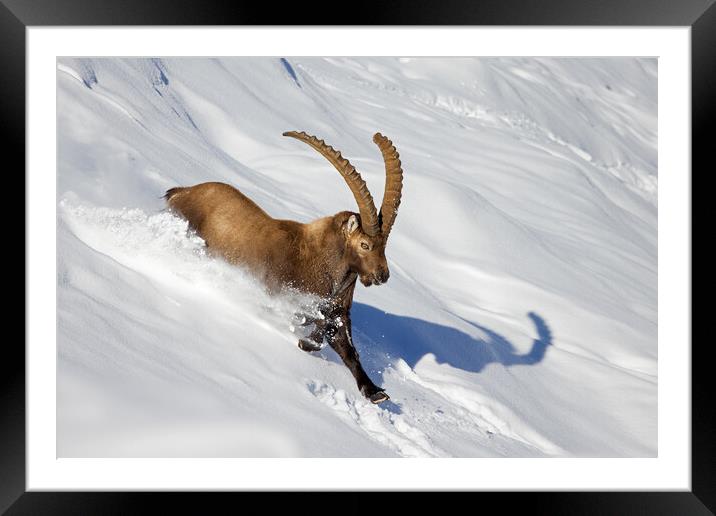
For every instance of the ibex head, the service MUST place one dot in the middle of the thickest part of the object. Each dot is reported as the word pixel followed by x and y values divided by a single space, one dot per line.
pixel 366 232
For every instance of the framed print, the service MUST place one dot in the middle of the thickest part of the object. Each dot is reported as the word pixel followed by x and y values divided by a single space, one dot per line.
pixel 229 313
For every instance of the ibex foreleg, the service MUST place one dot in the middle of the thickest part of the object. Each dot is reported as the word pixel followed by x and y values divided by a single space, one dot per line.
pixel 314 341
pixel 339 335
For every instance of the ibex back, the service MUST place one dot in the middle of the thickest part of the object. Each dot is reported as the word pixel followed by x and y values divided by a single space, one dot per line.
pixel 324 257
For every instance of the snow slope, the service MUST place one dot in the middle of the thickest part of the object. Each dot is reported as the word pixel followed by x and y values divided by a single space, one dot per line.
pixel 521 314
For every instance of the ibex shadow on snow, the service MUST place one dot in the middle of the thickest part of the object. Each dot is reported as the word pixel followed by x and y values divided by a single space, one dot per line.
pixel 323 257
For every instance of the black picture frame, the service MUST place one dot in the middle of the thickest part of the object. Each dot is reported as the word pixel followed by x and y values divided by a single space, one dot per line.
pixel 16 15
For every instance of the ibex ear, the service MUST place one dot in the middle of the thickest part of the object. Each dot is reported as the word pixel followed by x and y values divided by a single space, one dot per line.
pixel 352 224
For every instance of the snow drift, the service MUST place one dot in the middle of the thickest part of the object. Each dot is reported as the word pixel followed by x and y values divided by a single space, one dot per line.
pixel 521 314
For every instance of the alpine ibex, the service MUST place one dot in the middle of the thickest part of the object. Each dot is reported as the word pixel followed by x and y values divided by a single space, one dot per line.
pixel 323 257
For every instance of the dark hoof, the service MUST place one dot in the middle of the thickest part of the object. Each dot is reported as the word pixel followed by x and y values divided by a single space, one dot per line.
pixel 379 397
pixel 308 346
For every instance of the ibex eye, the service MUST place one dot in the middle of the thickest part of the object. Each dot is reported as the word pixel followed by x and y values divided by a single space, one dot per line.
pixel 364 245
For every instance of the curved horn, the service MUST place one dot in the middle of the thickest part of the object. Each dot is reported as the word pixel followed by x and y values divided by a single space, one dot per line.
pixel 393 183
pixel 366 206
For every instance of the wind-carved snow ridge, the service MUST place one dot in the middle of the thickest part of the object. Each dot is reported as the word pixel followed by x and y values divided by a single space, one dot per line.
pixel 520 318
pixel 473 408
pixel 290 70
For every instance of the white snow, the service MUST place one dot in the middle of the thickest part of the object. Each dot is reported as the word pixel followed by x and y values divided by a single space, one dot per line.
pixel 520 318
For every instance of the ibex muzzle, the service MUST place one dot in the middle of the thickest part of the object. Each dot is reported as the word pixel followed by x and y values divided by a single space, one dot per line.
pixel 324 257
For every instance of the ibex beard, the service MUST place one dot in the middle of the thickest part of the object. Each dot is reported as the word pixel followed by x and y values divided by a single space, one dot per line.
pixel 324 257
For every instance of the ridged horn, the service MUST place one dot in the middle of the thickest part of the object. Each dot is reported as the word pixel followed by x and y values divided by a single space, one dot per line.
pixel 366 206
pixel 393 183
